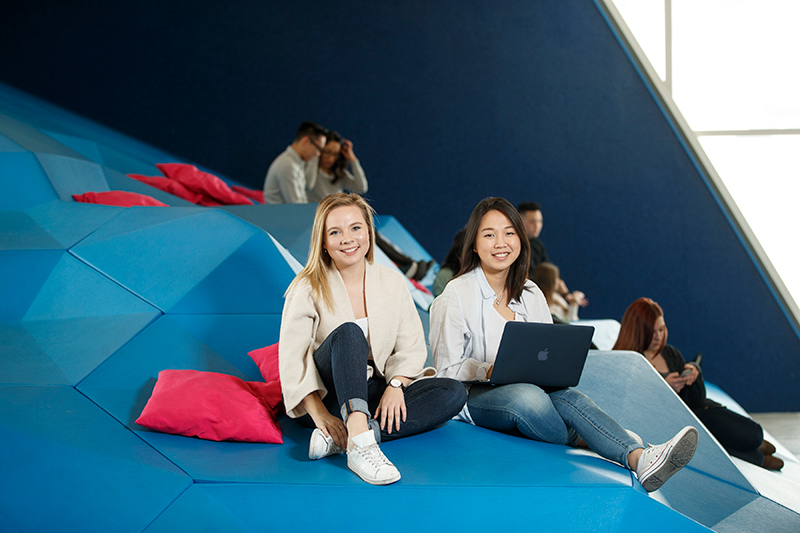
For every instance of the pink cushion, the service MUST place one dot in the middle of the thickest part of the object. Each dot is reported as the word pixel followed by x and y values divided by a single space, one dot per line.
pixel 213 406
pixel 171 186
pixel 256 196
pixel 118 198
pixel 267 361
pixel 204 183
pixel 420 286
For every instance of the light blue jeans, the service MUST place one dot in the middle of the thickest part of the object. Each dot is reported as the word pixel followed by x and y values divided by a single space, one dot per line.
pixel 560 417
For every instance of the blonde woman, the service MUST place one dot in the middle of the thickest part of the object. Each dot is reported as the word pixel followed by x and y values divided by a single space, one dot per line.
pixel 352 349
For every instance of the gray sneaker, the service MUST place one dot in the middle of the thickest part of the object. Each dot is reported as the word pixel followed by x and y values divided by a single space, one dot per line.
pixel 321 446
pixel 658 463
pixel 366 459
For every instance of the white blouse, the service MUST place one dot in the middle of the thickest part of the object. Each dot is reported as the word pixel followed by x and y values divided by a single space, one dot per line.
pixel 464 334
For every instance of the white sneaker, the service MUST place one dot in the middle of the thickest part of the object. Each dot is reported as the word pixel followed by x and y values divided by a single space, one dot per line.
pixel 658 463
pixel 321 446
pixel 366 459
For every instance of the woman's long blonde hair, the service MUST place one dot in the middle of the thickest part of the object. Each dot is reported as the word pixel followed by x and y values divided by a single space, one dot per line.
pixel 319 262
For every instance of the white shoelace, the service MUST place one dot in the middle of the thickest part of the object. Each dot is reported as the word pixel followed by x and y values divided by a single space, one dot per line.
pixel 374 455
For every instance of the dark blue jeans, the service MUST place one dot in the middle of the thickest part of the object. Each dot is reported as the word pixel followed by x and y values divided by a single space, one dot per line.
pixel 342 361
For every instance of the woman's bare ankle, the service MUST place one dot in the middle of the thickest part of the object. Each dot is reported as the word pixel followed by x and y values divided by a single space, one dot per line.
pixel 357 423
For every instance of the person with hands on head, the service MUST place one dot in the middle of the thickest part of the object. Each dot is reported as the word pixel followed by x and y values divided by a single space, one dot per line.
pixel 286 180
pixel 644 330
pixel 467 322
pixel 352 344
pixel 338 169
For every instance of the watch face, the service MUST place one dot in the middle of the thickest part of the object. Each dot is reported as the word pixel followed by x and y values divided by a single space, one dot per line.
pixel 396 383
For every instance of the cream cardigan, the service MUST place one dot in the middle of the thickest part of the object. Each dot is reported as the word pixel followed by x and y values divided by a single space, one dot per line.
pixel 396 338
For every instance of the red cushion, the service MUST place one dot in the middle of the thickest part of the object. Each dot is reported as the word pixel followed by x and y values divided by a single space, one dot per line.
pixel 118 198
pixel 171 186
pixel 420 286
pixel 253 194
pixel 267 361
pixel 202 182
pixel 213 406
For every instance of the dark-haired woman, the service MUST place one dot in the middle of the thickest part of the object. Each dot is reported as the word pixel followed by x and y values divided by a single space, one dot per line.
pixel 336 170
pixel 644 330
pixel 467 322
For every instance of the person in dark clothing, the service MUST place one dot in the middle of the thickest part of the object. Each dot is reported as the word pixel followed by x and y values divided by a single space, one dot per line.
pixel 643 330
pixel 533 219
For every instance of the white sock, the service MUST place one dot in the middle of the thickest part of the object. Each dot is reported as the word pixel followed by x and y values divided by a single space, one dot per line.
pixel 364 439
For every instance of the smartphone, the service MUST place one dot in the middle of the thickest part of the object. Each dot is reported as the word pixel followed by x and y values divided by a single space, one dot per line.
pixel 686 372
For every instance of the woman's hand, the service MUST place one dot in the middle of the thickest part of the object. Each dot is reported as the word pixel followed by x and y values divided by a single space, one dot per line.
pixel 347 151
pixel 578 297
pixel 330 425
pixel 676 381
pixel 690 379
pixel 391 409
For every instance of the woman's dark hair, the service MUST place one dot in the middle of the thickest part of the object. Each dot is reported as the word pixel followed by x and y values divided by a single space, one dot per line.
pixel 518 271
pixel 545 275
pixel 453 259
pixel 340 164
pixel 638 326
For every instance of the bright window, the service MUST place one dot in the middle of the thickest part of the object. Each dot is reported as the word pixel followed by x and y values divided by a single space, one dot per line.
pixel 734 70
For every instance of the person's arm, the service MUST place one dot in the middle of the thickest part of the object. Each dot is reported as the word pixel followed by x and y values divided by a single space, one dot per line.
pixel 676 365
pixel 451 341
pixel 292 183
pixel 408 351
pixel 574 302
pixel 298 373
pixel 312 174
pixel 330 425
pixel 356 180
pixel 392 407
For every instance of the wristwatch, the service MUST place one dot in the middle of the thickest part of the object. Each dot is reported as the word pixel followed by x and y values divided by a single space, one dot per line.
pixel 397 384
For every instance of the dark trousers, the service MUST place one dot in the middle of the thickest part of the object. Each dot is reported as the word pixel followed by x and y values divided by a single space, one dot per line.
pixel 342 361
pixel 739 435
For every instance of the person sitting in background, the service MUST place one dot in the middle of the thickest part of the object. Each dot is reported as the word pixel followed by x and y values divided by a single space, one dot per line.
pixel 564 311
pixel 531 213
pixel 467 322
pixel 286 178
pixel 330 175
pixel 451 265
pixel 645 331
pixel 337 169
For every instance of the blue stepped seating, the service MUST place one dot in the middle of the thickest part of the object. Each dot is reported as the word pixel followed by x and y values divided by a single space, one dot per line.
pixel 97 300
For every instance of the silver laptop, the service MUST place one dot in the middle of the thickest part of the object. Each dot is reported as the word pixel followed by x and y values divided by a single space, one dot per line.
pixel 547 355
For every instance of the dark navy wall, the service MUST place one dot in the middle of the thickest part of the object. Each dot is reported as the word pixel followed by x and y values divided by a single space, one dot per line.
pixel 447 102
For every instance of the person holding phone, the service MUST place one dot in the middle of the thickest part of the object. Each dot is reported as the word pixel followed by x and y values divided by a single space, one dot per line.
pixel 644 330
pixel 467 322
pixel 352 349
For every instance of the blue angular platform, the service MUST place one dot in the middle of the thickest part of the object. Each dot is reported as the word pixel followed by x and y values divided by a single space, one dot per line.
pixel 97 300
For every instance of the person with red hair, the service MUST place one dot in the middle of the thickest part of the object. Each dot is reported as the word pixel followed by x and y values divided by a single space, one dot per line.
pixel 644 330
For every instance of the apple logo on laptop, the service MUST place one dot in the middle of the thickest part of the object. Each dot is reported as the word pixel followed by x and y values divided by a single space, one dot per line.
pixel 543 355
